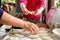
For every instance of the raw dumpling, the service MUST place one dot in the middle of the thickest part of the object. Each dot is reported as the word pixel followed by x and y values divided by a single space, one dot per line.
pixel 41 35
pixel 16 38
pixel 47 37
pixel 26 33
pixel 16 31
pixel 18 35
pixel 12 38
pixel 37 39
pixel 33 36
pixel 42 31
pixel 25 38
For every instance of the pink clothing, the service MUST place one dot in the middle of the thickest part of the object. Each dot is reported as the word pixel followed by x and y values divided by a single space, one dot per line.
pixel 33 5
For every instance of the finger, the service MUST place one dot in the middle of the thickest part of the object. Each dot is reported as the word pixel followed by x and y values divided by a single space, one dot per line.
pixel 31 30
pixel 35 28
pixel 25 13
pixel 28 28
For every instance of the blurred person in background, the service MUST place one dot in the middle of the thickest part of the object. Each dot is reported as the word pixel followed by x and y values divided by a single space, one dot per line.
pixel 7 5
pixel 32 9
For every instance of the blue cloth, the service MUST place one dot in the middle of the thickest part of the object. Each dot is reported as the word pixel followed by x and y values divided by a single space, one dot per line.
pixel 1 13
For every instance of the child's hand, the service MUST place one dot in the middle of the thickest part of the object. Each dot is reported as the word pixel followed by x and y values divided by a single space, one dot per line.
pixel 33 12
pixel 26 12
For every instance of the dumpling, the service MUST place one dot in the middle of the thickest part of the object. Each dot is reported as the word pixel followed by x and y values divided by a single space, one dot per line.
pixel 16 38
pixel 33 36
pixel 25 38
pixel 47 37
pixel 18 35
pixel 26 33
pixel 37 39
pixel 41 35
pixel 16 31
pixel 12 38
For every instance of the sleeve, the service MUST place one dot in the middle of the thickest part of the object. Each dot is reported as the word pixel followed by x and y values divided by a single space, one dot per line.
pixel 1 13
pixel 24 1
pixel 43 3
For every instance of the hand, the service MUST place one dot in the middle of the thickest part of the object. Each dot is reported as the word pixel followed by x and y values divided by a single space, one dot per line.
pixel 33 12
pixel 31 27
pixel 40 10
pixel 36 13
pixel 26 12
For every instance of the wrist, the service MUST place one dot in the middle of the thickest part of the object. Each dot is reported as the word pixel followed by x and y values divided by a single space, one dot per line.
pixel 23 23
pixel 38 11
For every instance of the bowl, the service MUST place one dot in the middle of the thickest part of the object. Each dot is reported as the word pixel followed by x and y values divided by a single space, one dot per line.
pixel 56 31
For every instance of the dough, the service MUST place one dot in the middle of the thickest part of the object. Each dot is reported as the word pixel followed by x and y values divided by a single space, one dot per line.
pixel 16 38
pixel 42 31
pixel 25 38
pixel 33 36
pixel 18 35
pixel 43 35
pixel 47 37
pixel 26 33
pixel 37 39
pixel 16 31
pixel 12 38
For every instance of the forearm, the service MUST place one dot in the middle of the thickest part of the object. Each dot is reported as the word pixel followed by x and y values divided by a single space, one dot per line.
pixel 23 7
pixel 10 20
pixel 40 10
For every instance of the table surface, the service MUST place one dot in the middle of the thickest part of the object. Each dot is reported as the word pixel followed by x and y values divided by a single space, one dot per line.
pixel 51 35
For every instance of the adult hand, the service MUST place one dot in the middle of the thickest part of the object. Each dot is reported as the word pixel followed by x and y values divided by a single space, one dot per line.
pixel 31 27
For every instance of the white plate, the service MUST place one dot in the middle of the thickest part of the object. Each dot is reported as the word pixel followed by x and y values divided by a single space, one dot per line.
pixel 56 31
